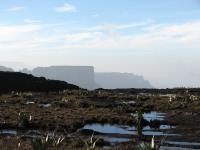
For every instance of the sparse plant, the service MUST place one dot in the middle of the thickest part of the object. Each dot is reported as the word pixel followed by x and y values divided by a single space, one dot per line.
pixel 40 143
pixel 139 118
pixel 149 146
pixel 57 141
pixel 153 145
pixel 54 142
pixel 24 119
pixel 15 94
pixel 27 95
pixel 91 145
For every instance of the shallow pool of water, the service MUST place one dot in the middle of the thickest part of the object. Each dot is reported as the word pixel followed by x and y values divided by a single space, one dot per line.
pixel 152 116
pixel 45 105
pixel 8 132
pixel 183 143
pixel 130 130
pixel 175 148
pixel 117 140
pixel 107 128
pixel 29 102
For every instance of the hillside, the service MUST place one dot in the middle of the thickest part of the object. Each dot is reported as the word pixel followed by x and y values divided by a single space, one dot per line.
pixel 85 77
pixel 15 81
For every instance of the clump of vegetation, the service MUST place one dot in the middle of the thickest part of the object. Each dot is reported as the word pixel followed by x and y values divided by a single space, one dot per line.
pixel 139 118
pixel 40 144
pixel 27 94
pixel 55 142
pixel 151 146
pixel 91 145
pixel 24 119
pixel 15 94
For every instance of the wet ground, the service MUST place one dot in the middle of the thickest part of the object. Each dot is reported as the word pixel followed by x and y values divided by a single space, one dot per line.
pixel 110 115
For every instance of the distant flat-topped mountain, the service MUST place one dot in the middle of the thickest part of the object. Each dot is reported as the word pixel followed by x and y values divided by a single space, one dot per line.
pixel 115 80
pixel 16 81
pixel 85 77
pixel 82 76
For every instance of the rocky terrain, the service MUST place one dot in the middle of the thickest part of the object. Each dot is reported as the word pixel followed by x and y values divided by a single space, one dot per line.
pixel 111 115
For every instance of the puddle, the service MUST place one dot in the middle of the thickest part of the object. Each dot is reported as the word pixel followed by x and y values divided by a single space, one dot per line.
pixel 25 133
pixel 175 148
pixel 129 102
pixel 45 105
pixel 119 131
pixel 152 116
pixel 8 132
pixel 107 128
pixel 181 145
pixel 29 102
pixel 130 130
pixel 117 140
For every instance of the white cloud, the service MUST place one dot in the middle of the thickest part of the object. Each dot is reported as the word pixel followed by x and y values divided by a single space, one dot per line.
pixel 16 8
pixel 40 40
pixel 151 36
pixel 65 8
pixel 119 26
pixel 81 36
pixel 9 32
pixel 31 21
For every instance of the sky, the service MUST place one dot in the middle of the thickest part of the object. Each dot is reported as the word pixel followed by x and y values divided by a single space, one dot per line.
pixel 157 39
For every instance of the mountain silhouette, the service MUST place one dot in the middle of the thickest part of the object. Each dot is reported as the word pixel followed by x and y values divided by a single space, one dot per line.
pixel 85 77
pixel 20 82
pixel 113 80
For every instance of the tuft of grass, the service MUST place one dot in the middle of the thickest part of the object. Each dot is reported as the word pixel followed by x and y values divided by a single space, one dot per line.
pixel 24 119
pixel 151 146
pixel 40 144
pixel 91 145
pixel 27 95
pixel 55 142
pixel 139 118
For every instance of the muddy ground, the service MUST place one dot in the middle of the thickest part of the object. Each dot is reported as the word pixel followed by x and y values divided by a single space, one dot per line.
pixel 65 113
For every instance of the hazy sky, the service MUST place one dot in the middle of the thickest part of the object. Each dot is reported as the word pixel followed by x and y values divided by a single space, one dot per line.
pixel 159 39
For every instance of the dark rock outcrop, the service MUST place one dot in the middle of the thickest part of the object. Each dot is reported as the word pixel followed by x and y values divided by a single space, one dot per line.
pixel 20 82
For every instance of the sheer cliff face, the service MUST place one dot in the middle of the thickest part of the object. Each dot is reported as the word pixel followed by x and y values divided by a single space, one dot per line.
pixel 82 76
pixel 121 80
pixel 85 77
